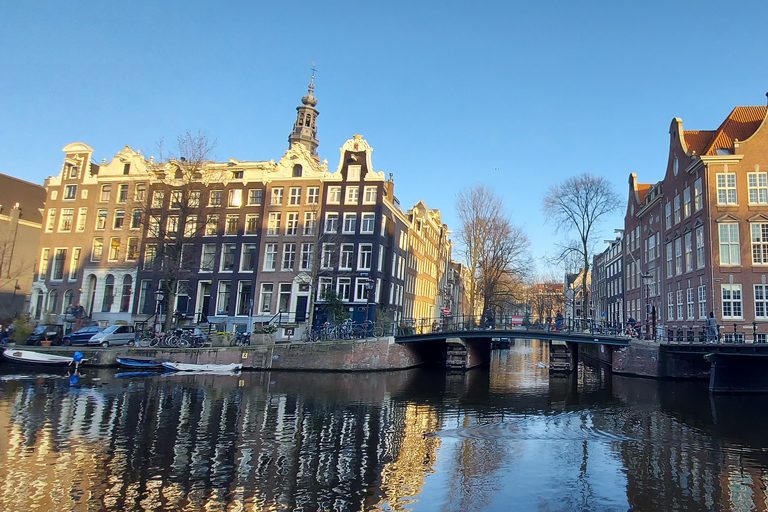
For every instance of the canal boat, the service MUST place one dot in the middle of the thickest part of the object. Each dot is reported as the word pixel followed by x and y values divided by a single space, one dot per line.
pixel 30 357
pixel 203 368
pixel 140 363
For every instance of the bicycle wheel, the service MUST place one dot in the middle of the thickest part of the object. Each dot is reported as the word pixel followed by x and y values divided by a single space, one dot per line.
pixel 378 331
pixel 145 341
pixel 182 342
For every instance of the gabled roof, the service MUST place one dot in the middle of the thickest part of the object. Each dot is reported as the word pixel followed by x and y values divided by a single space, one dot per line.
pixel 740 124
pixel 642 191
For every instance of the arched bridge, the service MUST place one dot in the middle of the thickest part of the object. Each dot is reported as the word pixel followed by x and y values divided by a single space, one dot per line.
pixel 516 333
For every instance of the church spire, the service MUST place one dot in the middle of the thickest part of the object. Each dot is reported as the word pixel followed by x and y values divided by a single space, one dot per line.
pixel 305 128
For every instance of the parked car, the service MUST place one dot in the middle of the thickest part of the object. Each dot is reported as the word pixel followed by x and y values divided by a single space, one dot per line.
pixel 81 336
pixel 51 332
pixel 114 335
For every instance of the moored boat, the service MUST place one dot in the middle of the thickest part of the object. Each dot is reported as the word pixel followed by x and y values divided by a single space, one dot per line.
pixel 207 368
pixel 140 363
pixel 30 357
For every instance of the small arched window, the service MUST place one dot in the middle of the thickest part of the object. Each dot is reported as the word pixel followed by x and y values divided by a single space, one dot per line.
pixel 297 170
pixel 125 299
pixel 109 294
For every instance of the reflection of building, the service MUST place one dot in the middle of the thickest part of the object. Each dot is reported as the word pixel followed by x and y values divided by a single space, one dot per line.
pixel 20 226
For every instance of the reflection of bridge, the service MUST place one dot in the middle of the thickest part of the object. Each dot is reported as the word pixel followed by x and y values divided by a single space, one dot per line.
pixel 466 349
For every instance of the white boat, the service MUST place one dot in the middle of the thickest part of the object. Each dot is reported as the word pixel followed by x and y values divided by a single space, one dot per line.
pixel 203 368
pixel 31 357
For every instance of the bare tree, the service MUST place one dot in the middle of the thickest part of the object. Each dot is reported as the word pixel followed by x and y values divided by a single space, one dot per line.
pixel 575 207
pixel 173 214
pixel 495 251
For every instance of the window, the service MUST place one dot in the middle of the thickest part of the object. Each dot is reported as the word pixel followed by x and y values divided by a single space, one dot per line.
pixel 277 196
pixel 273 224
pixel 74 265
pixel 122 193
pixel 690 304
pixel 289 256
pixel 297 170
pixel 117 222
pixel 176 199
pixel 44 261
pixel 51 220
pixel 331 222
pixel 194 199
pixel 292 224
pixel 668 215
pixel 65 222
pixel 731 300
pixel 136 219
pixel 114 249
pixel 697 199
pixel 364 257
pixel 307 250
pixel 212 224
pixel 248 257
pixel 158 198
pixel 327 256
pixel 222 301
pixel 284 300
pixel 109 294
pixel 82 214
pixel 313 194
pixel 214 198
pixel 353 195
pixel 265 301
pixel 270 257
pixel 295 197
pixel 70 192
pixel 60 256
pixel 73 169
pixel 150 254
pixel 208 258
pixel 101 219
pixel 98 247
pixel 154 227
pixel 700 247
pixel 350 223
pixel 172 226
pixel 353 173
pixel 757 183
pixel 346 254
pixel 729 244
pixel 190 226
pixel 678 256
pixel 369 196
pixel 702 301
pixel 133 249
pixel 677 209
pixel 235 198
pixel 688 251
pixel 343 286
pixel 252 224
pixel 323 285
pixel 334 195
pixel 759 243
pixel 310 221
pixel 679 304
pixel 243 307
pixel 230 228
pixel 106 193
pixel 670 306
pixel 227 263
pixel 141 192
pixel 254 196
pixel 726 188
pixel 366 226
pixel 686 202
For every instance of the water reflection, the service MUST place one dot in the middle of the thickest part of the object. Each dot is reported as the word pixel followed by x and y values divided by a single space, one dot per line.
pixel 508 436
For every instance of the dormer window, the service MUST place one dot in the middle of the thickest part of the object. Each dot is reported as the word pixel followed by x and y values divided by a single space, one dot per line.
pixel 297 170
pixel 238 175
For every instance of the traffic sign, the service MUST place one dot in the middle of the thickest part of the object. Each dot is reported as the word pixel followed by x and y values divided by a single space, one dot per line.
pixel 446 311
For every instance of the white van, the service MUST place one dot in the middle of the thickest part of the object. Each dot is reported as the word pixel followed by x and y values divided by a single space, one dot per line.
pixel 114 335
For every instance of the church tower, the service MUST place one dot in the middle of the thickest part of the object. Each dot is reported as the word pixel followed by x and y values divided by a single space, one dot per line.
pixel 305 129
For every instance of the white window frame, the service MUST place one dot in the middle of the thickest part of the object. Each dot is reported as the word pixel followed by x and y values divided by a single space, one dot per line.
pixel 728 234
pixel 732 301
pixel 726 188
pixel 757 186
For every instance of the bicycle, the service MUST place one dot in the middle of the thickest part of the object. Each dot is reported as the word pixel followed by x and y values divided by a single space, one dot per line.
pixel 242 339
pixel 310 335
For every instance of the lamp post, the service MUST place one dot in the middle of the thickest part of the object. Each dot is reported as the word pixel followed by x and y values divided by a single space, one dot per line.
pixel 158 299
pixel 647 278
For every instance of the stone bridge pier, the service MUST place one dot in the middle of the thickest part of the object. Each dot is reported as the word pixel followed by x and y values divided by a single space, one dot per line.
pixel 462 354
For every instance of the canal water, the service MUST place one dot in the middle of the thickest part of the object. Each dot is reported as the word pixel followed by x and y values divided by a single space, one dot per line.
pixel 511 437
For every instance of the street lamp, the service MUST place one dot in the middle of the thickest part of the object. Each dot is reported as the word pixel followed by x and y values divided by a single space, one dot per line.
pixel 650 314
pixel 158 299
pixel 368 290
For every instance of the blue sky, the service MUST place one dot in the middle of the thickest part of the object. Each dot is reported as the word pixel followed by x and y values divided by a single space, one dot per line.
pixel 513 95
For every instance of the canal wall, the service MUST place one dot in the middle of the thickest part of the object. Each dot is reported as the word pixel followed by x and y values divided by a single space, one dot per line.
pixel 378 354
pixel 648 358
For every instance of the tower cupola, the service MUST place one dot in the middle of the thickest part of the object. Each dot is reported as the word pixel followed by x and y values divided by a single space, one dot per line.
pixel 305 128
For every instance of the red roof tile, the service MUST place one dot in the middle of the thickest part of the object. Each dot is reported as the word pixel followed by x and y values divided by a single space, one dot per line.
pixel 642 191
pixel 740 124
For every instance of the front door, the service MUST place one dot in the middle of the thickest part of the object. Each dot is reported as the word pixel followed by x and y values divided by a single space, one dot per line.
pixel 301 309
